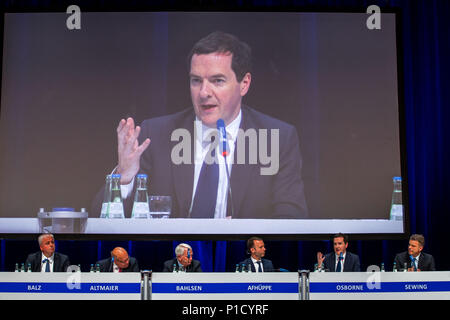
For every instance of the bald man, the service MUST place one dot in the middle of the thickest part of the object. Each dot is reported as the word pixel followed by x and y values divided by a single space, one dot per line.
pixel 119 262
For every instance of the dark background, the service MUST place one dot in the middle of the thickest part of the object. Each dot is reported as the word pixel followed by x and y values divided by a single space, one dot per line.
pixel 425 70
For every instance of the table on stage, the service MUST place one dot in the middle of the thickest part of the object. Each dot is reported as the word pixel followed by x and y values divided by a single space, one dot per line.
pixel 226 286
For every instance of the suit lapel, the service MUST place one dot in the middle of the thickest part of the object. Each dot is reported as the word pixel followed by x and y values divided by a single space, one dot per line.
pixel 241 173
pixel 420 262
pixel 333 264
pixel 183 174
pixel 38 262
pixel 56 262
pixel 347 262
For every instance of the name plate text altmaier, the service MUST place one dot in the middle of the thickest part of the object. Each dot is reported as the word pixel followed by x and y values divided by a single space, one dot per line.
pixel 70 286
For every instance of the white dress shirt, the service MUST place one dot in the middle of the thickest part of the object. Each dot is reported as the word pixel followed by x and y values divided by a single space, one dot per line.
pixel 342 263
pixel 116 269
pixel 416 261
pixel 255 263
pixel 201 149
pixel 51 260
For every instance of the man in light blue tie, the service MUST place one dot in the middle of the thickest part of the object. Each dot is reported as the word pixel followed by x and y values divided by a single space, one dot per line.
pixel 47 260
pixel 414 258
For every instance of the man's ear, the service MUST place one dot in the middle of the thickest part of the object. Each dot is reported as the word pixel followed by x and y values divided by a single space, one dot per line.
pixel 245 84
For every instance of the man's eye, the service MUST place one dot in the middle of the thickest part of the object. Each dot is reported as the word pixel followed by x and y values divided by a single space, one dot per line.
pixel 219 81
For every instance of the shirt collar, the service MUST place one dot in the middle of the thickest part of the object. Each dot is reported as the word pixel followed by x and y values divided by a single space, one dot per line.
pixel 50 259
pixel 254 260
pixel 343 255
pixel 204 132
pixel 115 267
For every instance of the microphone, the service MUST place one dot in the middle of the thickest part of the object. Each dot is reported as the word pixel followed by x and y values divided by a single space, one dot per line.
pixel 223 136
pixel 224 146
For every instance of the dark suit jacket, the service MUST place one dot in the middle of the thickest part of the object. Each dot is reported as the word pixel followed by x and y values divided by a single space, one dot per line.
pixel 426 261
pixel 351 262
pixel 266 264
pixel 193 267
pixel 254 195
pixel 60 262
pixel 106 265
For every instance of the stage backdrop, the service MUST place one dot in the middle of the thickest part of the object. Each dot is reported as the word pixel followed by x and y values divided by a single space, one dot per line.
pixel 426 96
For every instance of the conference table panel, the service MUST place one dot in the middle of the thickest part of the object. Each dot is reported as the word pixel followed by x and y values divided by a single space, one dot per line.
pixel 70 286
pixel 225 286
pixel 379 285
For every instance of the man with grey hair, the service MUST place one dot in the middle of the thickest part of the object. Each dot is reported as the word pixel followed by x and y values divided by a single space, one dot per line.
pixel 183 260
pixel 415 259
pixel 47 260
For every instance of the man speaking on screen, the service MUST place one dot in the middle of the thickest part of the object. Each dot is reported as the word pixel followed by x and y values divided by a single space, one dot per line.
pixel 219 159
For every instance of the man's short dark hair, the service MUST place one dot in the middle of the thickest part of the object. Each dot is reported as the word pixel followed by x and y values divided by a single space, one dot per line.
pixel 222 42
pixel 419 238
pixel 341 235
pixel 251 242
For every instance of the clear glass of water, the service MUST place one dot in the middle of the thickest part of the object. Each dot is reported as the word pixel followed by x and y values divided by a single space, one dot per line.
pixel 160 207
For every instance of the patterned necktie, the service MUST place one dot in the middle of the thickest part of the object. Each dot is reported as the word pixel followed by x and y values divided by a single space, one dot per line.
pixel 47 265
pixel 259 266
pixel 205 198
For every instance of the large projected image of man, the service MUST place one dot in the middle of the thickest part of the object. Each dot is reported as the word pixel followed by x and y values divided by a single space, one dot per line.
pixel 269 188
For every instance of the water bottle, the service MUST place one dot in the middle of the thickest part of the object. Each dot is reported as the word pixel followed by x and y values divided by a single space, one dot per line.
pixel 397 205
pixel 405 267
pixel 243 268
pixel 29 267
pixel 237 267
pixel 97 268
pixel 92 268
pixel 394 268
pixel 141 209
pixel 382 267
pixel 249 268
pixel 316 267
pixel 322 267
pixel 175 269
pixel 115 202
pixel 17 268
pixel 22 267
pixel 106 198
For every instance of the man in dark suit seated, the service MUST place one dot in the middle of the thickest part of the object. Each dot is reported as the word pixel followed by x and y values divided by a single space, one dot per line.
pixel 47 260
pixel 257 250
pixel 183 261
pixel 340 260
pixel 119 262
pixel 414 258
